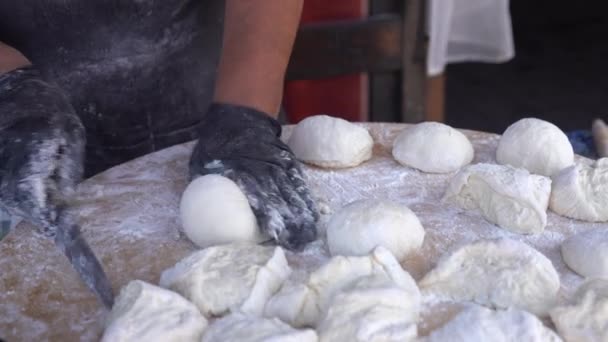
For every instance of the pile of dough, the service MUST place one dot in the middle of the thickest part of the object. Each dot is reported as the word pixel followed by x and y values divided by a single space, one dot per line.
pixel 433 147
pixel 479 324
pixel 512 198
pixel 303 305
pixel 587 253
pixel 144 312
pixel 581 192
pixel 363 225
pixel 247 328
pixel 587 318
pixel 373 308
pixel 330 142
pixel 229 277
pixel 215 211
pixel 498 273
pixel 535 145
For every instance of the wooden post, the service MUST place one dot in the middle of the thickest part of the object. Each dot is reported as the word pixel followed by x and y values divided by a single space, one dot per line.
pixel 413 62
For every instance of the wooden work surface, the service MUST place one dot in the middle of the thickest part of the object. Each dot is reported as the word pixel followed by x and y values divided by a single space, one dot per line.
pixel 129 215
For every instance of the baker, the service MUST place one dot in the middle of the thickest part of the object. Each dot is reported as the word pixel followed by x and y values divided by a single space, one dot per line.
pixel 86 85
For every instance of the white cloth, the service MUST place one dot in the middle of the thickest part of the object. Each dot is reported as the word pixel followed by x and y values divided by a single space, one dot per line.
pixel 468 31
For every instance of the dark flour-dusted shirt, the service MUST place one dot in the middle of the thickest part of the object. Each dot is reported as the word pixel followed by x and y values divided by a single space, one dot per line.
pixel 139 73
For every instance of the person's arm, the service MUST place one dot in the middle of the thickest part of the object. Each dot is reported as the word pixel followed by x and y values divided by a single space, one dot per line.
pixel 11 59
pixel 258 39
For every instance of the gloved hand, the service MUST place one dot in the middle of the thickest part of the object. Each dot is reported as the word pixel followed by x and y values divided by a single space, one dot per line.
pixel 41 161
pixel 244 145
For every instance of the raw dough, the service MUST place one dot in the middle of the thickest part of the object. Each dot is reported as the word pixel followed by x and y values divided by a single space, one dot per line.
pixel 581 192
pixel 586 320
pixel 215 211
pixel 330 142
pixel 372 309
pixel 144 312
pixel 587 253
pixel 229 277
pixel 240 327
pixel 511 198
pixel 363 225
pixel 304 304
pixel 498 273
pixel 433 147
pixel 535 145
pixel 479 324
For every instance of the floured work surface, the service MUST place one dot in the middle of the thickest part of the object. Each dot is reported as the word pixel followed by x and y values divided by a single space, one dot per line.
pixel 129 215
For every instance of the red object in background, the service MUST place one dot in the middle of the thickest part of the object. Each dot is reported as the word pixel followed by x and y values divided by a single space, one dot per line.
pixel 343 96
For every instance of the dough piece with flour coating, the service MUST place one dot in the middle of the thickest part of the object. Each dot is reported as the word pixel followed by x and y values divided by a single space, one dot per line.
pixel 586 319
pixel 497 273
pixel 535 145
pixel 363 225
pixel 581 192
pixel 214 211
pixel 330 142
pixel 229 277
pixel 479 324
pixel 433 147
pixel 144 312
pixel 304 305
pixel 587 253
pixel 512 198
pixel 247 328
pixel 373 308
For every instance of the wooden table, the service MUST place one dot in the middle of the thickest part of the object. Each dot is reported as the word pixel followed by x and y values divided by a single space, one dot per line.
pixel 129 215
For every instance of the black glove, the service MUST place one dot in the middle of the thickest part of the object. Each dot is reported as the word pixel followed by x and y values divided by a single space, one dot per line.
pixel 41 161
pixel 244 145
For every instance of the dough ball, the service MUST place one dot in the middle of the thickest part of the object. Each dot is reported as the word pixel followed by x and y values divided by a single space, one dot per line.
pixel 511 198
pixel 215 211
pixel 144 312
pixel 229 277
pixel 304 304
pixel 586 319
pixel 371 309
pixel 581 192
pixel 587 253
pixel 247 328
pixel 363 225
pixel 479 324
pixel 535 145
pixel 330 142
pixel 433 147
pixel 497 273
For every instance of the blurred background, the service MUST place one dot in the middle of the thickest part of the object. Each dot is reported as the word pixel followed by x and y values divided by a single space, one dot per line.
pixel 475 64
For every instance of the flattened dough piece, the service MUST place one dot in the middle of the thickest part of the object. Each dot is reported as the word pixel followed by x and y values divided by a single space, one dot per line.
pixel 363 225
pixel 587 253
pixel 372 309
pixel 240 327
pixel 144 312
pixel 512 198
pixel 433 147
pixel 330 142
pixel 586 320
pixel 497 273
pixel 229 277
pixel 304 304
pixel 479 324
pixel 581 192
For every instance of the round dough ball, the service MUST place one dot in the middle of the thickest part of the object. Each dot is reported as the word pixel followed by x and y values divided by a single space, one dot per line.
pixel 535 145
pixel 587 253
pixel 499 273
pixel 215 211
pixel 433 147
pixel 363 225
pixel 330 142
pixel 581 192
